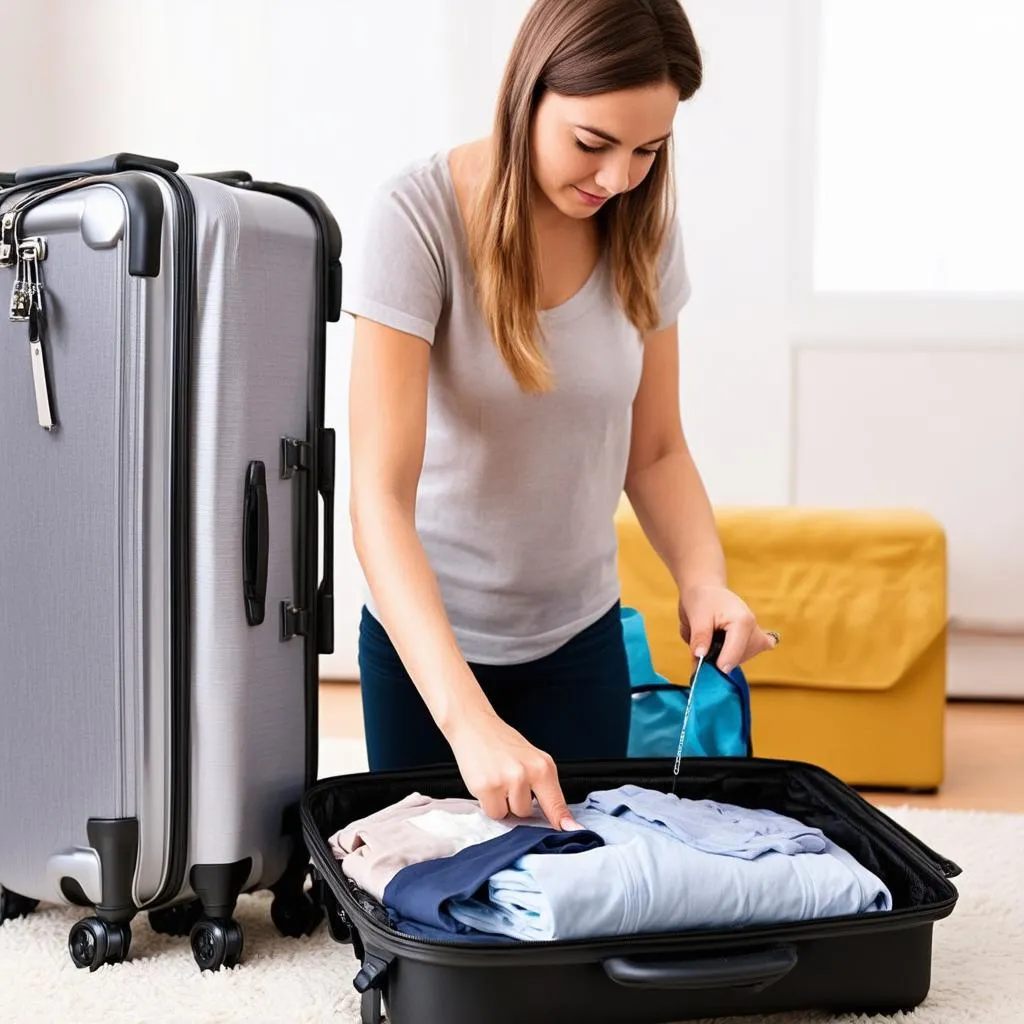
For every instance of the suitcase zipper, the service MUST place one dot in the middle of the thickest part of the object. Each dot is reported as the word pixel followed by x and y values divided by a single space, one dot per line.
pixel 26 304
pixel 181 605
pixel 330 872
pixel 26 255
pixel 11 217
pixel 917 851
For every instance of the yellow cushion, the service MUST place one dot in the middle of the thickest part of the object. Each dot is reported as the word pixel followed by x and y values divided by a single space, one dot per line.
pixel 859 597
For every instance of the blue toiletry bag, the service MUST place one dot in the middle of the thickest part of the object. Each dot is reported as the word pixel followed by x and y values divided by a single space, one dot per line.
pixel 719 720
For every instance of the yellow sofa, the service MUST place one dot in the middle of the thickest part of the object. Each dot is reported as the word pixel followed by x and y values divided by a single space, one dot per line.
pixel 858 684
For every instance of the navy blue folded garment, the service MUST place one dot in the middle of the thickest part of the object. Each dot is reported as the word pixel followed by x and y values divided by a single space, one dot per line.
pixel 417 897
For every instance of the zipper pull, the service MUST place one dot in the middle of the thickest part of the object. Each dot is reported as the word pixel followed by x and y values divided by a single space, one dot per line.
pixel 8 252
pixel 686 722
pixel 31 252
pixel 21 305
pixel 40 374
pixel 27 290
pixel 27 304
pixel 20 297
pixel 32 249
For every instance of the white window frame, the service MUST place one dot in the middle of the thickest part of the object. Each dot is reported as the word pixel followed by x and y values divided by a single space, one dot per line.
pixel 859 318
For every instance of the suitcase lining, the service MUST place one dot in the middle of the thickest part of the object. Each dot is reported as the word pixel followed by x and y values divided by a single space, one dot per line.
pixel 916 876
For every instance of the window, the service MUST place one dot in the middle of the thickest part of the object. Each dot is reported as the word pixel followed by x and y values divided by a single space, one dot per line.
pixel 919 166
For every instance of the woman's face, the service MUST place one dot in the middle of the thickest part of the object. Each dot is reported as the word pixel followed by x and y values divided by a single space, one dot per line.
pixel 586 149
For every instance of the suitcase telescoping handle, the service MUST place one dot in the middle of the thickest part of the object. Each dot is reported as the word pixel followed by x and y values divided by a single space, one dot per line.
pixel 325 592
pixel 228 177
pixel 758 970
pixel 111 164
pixel 295 457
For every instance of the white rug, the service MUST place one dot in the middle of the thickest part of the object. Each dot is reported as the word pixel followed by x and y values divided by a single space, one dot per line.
pixel 978 965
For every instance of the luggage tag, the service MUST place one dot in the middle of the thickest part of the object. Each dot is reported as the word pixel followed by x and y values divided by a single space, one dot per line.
pixel 715 649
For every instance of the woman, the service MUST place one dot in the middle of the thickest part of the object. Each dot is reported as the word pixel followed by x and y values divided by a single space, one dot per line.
pixel 515 368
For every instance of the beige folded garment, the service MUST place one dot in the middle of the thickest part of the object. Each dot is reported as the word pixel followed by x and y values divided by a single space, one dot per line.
pixel 374 849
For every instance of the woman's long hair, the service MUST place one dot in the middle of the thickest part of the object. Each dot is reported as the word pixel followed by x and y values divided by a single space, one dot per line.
pixel 575 48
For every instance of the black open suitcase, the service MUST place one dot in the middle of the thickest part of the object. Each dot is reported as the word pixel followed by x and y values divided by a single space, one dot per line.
pixel 875 963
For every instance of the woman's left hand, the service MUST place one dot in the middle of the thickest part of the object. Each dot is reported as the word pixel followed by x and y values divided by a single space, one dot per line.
pixel 703 609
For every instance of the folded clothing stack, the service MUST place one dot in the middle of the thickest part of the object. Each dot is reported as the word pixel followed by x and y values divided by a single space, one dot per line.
pixel 645 861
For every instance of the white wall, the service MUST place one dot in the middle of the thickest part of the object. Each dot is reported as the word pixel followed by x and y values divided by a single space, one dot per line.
pixel 31 119
pixel 734 158
pixel 335 95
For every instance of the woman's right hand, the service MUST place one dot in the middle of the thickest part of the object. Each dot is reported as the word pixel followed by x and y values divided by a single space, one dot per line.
pixel 504 771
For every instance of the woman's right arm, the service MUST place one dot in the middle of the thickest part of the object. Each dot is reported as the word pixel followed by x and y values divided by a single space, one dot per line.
pixel 387 431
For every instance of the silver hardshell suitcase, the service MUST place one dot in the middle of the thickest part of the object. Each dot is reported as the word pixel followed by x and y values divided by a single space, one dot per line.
pixel 162 456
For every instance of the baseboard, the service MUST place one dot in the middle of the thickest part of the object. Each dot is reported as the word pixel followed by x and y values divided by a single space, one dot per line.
pixel 985 667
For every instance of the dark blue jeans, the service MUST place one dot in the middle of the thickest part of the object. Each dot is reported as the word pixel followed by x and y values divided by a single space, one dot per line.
pixel 573 703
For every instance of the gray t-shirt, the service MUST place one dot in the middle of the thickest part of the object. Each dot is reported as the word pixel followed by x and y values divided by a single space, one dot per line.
pixel 518 492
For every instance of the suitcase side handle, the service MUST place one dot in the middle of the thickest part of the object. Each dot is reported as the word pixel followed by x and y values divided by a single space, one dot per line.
pixel 255 542
pixel 112 164
pixel 757 970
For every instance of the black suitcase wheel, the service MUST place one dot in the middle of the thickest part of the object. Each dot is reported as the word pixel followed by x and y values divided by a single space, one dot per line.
pixel 296 915
pixel 216 944
pixel 93 943
pixel 338 925
pixel 177 920
pixel 12 905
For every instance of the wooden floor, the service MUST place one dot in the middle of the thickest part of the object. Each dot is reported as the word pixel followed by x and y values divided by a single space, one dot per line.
pixel 984 751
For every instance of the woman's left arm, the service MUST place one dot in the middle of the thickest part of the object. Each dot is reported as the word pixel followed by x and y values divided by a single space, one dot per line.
pixel 665 489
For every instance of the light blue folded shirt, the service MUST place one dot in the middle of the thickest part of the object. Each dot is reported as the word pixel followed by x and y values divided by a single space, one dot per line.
pixel 709 825
pixel 646 880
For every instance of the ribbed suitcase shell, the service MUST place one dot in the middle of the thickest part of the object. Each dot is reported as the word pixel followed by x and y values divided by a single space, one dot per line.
pixel 873 963
pixel 152 735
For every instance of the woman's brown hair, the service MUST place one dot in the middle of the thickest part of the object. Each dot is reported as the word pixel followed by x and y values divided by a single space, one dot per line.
pixel 575 48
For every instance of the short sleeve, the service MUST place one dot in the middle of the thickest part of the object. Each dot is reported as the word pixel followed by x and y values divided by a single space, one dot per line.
pixel 396 274
pixel 675 288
